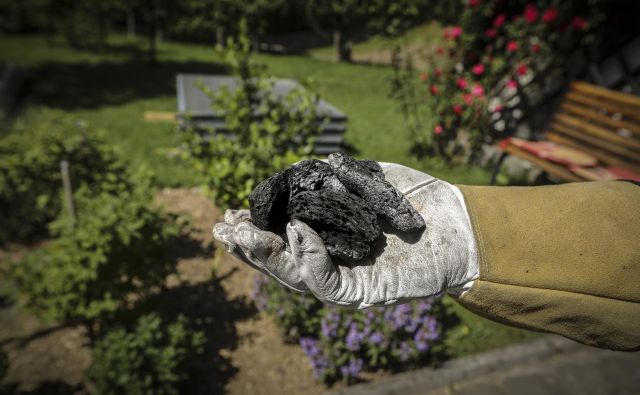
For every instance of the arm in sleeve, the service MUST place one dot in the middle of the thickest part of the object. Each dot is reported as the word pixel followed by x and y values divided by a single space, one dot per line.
pixel 563 259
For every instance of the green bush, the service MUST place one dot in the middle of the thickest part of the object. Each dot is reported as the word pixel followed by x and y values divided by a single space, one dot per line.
pixel 152 358
pixel 118 246
pixel 30 178
pixel 264 133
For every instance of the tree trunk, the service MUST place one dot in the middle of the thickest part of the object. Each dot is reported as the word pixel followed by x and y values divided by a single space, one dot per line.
pixel 342 45
pixel 220 39
pixel 152 43
pixel 131 24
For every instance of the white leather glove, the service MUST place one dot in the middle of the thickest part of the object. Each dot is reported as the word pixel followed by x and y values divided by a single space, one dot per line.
pixel 401 267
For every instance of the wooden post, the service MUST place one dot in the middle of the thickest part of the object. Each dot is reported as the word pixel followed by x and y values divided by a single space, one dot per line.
pixel 68 193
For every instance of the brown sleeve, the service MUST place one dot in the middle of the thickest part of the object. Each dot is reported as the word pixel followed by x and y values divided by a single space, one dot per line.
pixel 563 259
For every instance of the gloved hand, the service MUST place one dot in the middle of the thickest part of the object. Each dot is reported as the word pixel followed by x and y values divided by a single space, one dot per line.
pixel 401 267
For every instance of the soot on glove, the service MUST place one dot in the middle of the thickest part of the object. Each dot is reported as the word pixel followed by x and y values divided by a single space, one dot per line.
pixel 341 201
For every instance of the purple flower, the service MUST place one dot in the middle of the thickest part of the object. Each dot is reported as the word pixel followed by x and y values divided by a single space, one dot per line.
pixel 329 324
pixel 376 338
pixel 353 338
pixel 309 346
pixel 398 316
pixel 353 368
pixel 319 363
pixel 404 352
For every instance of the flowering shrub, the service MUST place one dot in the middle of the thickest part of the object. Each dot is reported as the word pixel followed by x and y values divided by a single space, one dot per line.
pixel 496 51
pixel 343 343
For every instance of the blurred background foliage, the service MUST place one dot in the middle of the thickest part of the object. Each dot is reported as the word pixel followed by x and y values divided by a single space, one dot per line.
pixel 93 68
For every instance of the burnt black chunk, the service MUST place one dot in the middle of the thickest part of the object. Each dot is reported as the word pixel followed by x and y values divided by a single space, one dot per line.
pixel 379 194
pixel 372 166
pixel 268 203
pixel 344 222
pixel 313 175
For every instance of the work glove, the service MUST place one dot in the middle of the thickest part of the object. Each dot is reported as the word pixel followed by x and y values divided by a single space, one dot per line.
pixel 401 266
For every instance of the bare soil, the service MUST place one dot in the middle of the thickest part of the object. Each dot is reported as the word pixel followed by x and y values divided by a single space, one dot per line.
pixel 247 353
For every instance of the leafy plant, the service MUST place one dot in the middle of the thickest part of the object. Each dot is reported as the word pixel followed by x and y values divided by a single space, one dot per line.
pixel 264 133
pixel 5 389
pixel 472 86
pixel 30 178
pixel 117 249
pixel 343 343
pixel 152 358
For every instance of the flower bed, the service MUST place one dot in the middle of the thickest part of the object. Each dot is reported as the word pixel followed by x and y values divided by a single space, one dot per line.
pixel 342 343
pixel 477 85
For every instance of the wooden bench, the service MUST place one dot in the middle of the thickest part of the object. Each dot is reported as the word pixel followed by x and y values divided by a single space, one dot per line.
pixel 594 120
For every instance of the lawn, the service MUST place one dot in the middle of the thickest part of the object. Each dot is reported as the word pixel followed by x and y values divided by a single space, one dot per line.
pixel 112 88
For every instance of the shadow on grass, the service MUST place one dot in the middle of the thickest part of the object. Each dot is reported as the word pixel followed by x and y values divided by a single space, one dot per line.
pixel 85 85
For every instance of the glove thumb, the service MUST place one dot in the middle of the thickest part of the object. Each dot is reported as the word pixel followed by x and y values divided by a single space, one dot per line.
pixel 312 260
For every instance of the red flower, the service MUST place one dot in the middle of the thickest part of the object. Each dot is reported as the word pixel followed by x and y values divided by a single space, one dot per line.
pixel 522 69
pixel 530 13
pixel 550 15
pixel 477 90
pixel 437 72
pixel 462 83
pixel 438 129
pixel 512 84
pixel 424 76
pixel 457 109
pixel 434 90
pixel 440 50
pixel 512 46
pixel 455 32
pixel 478 69
pixel 467 98
pixel 474 3
pixel 535 48
pixel 499 20
pixel 578 23
pixel 491 33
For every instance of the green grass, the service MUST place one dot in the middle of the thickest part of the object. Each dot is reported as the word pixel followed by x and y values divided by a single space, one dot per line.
pixel 112 88
pixel 418 36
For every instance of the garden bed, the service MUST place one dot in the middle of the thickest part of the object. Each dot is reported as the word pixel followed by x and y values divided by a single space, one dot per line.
pixel 249 354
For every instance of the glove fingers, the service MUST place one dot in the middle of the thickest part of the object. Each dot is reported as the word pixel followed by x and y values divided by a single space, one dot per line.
pixel 266 250
pixel 313 262
pixel 224 233
pixel 234 217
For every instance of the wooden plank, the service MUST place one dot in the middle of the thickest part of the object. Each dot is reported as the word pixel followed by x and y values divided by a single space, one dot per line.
pixel 597 103
pixel 551 168
pixel 613 124
pixel 598 132
pixel 585 138
pixel 602 155
pixel 159 116
pixel 618 97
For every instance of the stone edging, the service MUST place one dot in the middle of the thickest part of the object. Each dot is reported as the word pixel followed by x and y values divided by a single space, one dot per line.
pixel 422 380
